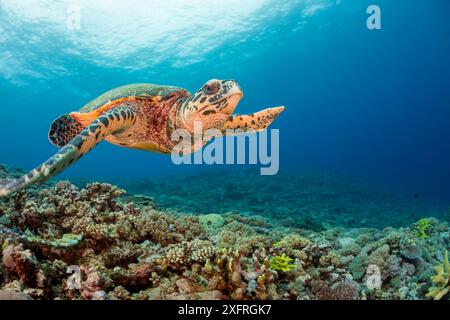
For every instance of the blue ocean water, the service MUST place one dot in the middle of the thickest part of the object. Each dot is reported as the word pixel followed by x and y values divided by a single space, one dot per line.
pixel 370 104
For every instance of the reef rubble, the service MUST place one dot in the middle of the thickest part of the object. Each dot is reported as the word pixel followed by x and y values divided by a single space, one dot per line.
pixel 99 243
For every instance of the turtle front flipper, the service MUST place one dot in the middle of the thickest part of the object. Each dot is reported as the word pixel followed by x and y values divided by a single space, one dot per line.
pixel 112 121
pixel 258 121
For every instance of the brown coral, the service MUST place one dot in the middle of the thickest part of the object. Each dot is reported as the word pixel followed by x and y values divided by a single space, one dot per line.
pixel 343 290
pixel 20 262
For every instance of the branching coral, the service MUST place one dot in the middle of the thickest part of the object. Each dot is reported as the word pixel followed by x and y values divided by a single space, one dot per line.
pixel 281 263
pixel 441 280
pixel 344 290
pixel 188 252
pixel 292 245
pixel 422 228
pixel 127 248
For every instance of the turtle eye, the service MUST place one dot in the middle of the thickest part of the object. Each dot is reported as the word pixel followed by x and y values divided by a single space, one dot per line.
pixel 211 88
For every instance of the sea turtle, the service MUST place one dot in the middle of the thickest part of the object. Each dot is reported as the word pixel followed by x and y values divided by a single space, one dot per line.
pixel 143 116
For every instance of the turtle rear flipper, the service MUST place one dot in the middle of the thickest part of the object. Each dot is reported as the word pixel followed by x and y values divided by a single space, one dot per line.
pixel 64 129
pixel 112 121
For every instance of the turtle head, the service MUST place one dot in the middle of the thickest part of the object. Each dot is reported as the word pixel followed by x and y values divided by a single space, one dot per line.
pixel 212 104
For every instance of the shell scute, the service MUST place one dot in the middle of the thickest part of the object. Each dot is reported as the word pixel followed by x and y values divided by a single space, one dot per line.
pixel 146 90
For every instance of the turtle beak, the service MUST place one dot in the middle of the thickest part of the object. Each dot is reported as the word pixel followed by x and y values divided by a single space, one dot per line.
pixel 232 103
pixel 235 94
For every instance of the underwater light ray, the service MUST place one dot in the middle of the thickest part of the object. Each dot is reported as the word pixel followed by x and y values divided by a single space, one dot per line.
pixel 111 33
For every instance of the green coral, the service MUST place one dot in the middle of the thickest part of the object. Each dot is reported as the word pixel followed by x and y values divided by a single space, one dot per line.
pixel 441 280
pixel 422 228
pixel 281 263
pixel 277 244
pixel 66 241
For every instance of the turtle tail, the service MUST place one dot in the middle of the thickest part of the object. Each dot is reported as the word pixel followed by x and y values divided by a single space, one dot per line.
pixel 114 120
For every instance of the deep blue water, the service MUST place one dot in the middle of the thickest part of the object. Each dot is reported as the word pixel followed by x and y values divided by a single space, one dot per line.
pixel 367 103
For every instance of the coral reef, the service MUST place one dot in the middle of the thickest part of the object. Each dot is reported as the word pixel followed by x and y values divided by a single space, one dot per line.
pixel 99 243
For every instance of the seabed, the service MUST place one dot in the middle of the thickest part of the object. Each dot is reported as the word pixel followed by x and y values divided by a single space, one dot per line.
pixel 309 237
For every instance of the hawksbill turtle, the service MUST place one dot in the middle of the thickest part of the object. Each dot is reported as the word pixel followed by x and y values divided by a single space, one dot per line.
pixel 142 116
